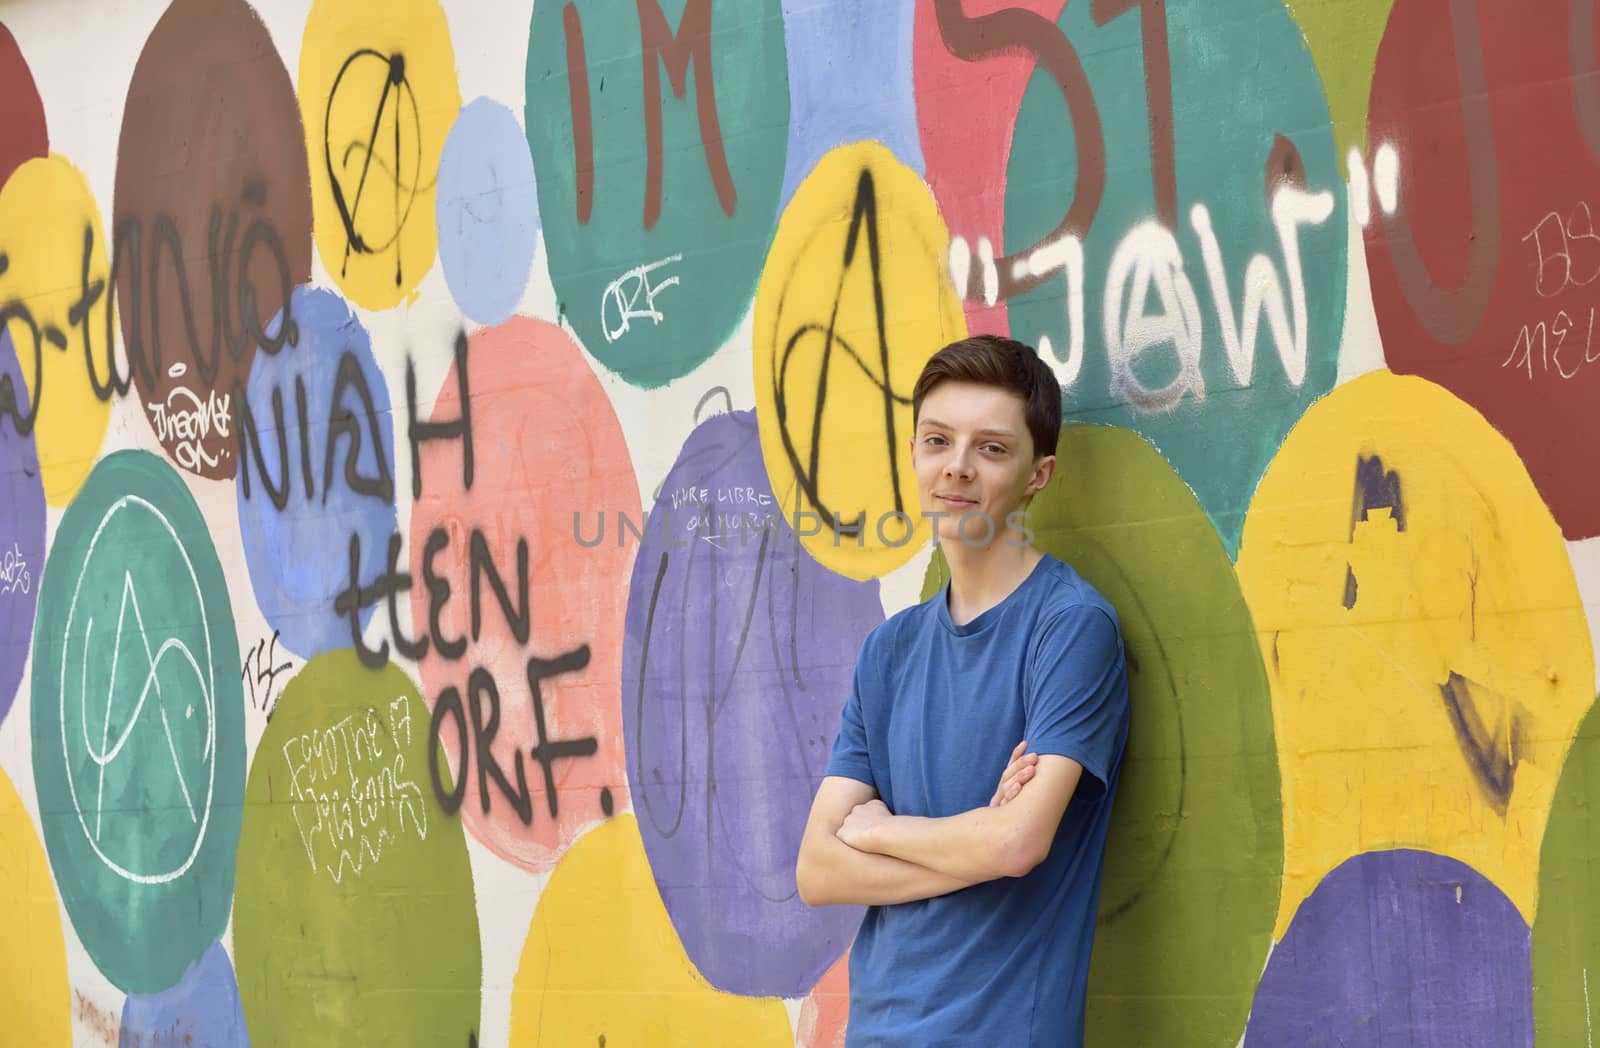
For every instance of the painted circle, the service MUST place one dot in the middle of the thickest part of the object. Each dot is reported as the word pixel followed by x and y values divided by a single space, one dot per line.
pixel 1399 946
pixel 21 111
pixel 150 889
pixel 1179 336
pixel 967 94
pixel 825 1013
pixel 345 844
pixel 1566 930
pixel 859 255
pixel 215 246
pixel 654 283
pixel 201 1008
pixel 1482 263
pixel 602 963
pixel 378 93
pixel 297 565
pixel 1423 634
pixel 730 725
pixel 34 995
pixel 47 212
pixel 22 522
pixel 488 211
pixel 845 85
pixel 547 449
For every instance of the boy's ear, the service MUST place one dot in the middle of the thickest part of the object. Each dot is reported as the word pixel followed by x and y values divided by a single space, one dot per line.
pixel 1043 470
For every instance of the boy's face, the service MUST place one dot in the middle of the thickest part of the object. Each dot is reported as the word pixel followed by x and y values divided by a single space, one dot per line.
pixel 974 456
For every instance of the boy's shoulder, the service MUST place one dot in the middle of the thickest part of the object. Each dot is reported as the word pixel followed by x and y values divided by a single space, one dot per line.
pixel 886 637
pixel 1067 593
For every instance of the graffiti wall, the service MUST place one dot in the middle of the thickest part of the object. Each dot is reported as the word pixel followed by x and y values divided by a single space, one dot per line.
pixel 451 453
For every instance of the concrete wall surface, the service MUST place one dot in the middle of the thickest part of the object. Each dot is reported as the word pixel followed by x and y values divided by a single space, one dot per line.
pixel 451 452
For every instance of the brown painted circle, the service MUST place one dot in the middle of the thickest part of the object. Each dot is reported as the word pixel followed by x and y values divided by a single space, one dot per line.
pixel 21 112
pixel 212 160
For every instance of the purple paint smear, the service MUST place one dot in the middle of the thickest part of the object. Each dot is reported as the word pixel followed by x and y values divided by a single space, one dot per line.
pixel 849 81
pixel 1399 948
pixel 22 515
pixel 737 660
pixel 202 1009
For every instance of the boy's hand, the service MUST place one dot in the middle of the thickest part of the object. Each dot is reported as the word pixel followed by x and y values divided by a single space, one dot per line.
pixel 1016 775
pixel 858 825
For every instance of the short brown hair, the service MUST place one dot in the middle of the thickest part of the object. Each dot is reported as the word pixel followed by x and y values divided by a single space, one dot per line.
pixel 992 360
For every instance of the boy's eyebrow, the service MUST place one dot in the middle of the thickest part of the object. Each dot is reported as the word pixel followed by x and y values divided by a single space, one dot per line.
pixel 926 421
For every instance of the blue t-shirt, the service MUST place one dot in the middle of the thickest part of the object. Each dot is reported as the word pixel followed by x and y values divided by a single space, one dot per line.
pixel 934 713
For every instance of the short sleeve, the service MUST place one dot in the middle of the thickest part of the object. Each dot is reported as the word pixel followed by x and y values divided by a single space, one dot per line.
pixel 1076 703
pixel 850 758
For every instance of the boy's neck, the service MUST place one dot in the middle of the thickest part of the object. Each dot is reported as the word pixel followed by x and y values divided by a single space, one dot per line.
pixel 983 576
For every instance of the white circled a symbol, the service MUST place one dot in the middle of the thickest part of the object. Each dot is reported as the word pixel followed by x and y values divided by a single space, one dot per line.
pixel 108 751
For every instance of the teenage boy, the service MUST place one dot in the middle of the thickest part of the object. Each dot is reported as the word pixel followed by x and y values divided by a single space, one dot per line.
pixel 981 899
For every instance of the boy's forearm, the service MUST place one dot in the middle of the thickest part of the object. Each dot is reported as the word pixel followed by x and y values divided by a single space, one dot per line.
pixel 847 876
pixel 975 846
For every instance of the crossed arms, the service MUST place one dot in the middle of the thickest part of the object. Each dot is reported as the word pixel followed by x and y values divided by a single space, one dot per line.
pixel 855 851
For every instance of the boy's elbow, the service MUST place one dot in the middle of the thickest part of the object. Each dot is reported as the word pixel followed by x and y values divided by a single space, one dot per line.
pixel 806 879
pixel 1019 853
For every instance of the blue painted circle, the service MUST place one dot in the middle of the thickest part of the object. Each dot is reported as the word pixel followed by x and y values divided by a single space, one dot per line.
pixel 299 554
pixel 488 211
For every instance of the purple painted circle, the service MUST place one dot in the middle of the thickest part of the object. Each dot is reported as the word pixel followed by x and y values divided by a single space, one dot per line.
pixel 201 1008
pixel 22 514
pixel 1399 948
pixel 737 658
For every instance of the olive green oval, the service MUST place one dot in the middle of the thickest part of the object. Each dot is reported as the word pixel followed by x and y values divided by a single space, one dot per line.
pixel 1566 927
pixel 354 919
pixel 1194 858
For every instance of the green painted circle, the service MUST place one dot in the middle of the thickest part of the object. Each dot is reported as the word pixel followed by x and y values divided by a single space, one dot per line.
pixel 138 723
pixel 356 921
pixel 653 300
pixel 1194 857
pixel 1229 154
pixel 1566 929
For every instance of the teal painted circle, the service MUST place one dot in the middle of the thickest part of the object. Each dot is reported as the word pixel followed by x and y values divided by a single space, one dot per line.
pixel 1239 81
pixel 653 295
pixel 138 723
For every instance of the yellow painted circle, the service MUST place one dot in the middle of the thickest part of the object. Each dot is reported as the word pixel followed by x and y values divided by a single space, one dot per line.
pixel 378 95
pixel 46 208
pixel 1422 629
pixel 603 965
pixel 34 996
pixel 861 248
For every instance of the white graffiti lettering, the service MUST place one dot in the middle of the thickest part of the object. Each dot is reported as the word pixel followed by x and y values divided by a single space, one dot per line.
pixel 14 573
pixel 350 783
pixel 1538 346
pixel 1568 251
pixel 190 422
pixel 622 298
pixel 1150 258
